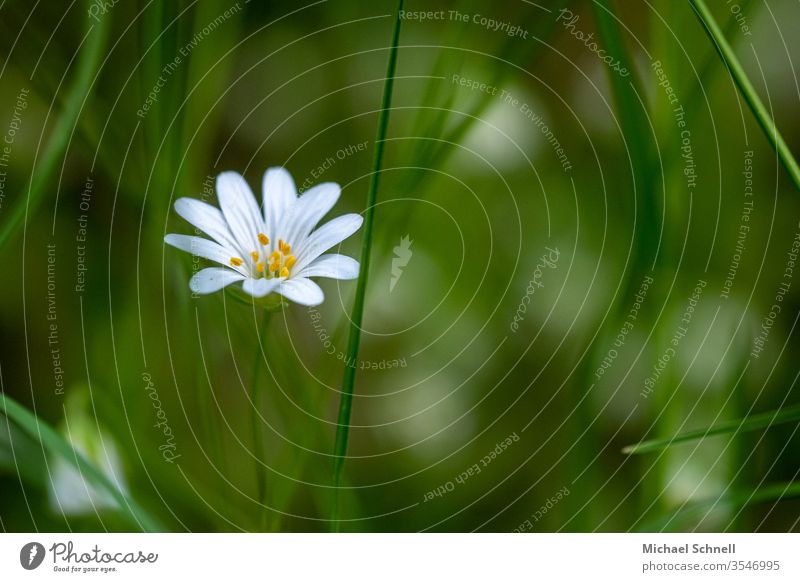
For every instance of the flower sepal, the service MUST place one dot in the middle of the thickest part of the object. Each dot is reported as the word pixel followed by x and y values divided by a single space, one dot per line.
pixel 272 302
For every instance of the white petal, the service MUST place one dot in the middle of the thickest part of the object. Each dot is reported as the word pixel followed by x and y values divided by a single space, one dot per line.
pixel 280 195
pixel 331 266
pixel 309 210
pixel 206 218
pixel 302 291
pixel 260 287
pixel 205 248
pixel 327 236
pixel 240 209
pixel 213 279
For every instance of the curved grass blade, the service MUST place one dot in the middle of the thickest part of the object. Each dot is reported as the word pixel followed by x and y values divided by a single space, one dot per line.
pixel 346 400
pixel 20 455
pixel 747 90
pixel 633 120
pixel 634 123
pixel 737 499
pixel 437 152
pixel 512 51
pixel 756 422
pixel 50 440
pixel 60 139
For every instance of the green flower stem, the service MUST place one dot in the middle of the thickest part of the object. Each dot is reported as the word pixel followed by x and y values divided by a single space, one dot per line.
pixel 255 401
pixel 346 401
pixel 748 91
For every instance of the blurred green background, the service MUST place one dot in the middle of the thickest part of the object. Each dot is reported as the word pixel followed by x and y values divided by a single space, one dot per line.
pixel 560 220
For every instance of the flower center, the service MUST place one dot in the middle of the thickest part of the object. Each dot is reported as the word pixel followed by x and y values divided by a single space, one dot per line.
pixel 269 265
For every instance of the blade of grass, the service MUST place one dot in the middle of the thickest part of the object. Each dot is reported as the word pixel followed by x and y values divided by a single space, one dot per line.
pixel 511 52
pixel 707 69
pixel 634 123
pixel 752 423
pixel 733 500
pixel 62 134
pixel 50 440
pixel 346 399
pixel 633 119
pixel 747 90
pixel 628 100
pixel 435 153
pixel 20 456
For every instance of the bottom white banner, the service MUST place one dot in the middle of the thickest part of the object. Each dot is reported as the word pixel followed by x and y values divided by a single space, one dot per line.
pixel 400 556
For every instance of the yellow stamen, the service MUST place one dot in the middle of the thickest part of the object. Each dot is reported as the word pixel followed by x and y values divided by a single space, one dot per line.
pixel 263 239
pixel 236 261
pixel 284 272
pixel 275 257
pixel 287 248
pixel 260 267
pixel 290 261
pixel 274 267
pixel 281 244
pixel 254 254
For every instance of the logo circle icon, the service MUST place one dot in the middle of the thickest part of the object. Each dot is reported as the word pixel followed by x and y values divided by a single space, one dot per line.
pixel 31 555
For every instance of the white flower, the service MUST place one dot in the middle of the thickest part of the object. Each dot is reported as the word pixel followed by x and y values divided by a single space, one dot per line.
pixel 271 252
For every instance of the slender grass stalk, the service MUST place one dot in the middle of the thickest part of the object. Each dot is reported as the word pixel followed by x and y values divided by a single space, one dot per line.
pixel 752 423
pixel 56 147
pixel 50 440
pixel 255 396
pixel 707 69
pixel 732 500
pixel 436 153
pixel 346 400
pixel 632 117
pixel 747 90
pixel 634 124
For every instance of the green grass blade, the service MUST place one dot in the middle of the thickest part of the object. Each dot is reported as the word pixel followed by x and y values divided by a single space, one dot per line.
pixel 346 400
pixel 747 90
pixel 633 121
pixel 20 455
pixel 437 152
pixel 88 63
pixel 733 500
pixel 511 52
pixel 634 124
pixel 56 444
pixel 708 68
pixel 752 423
